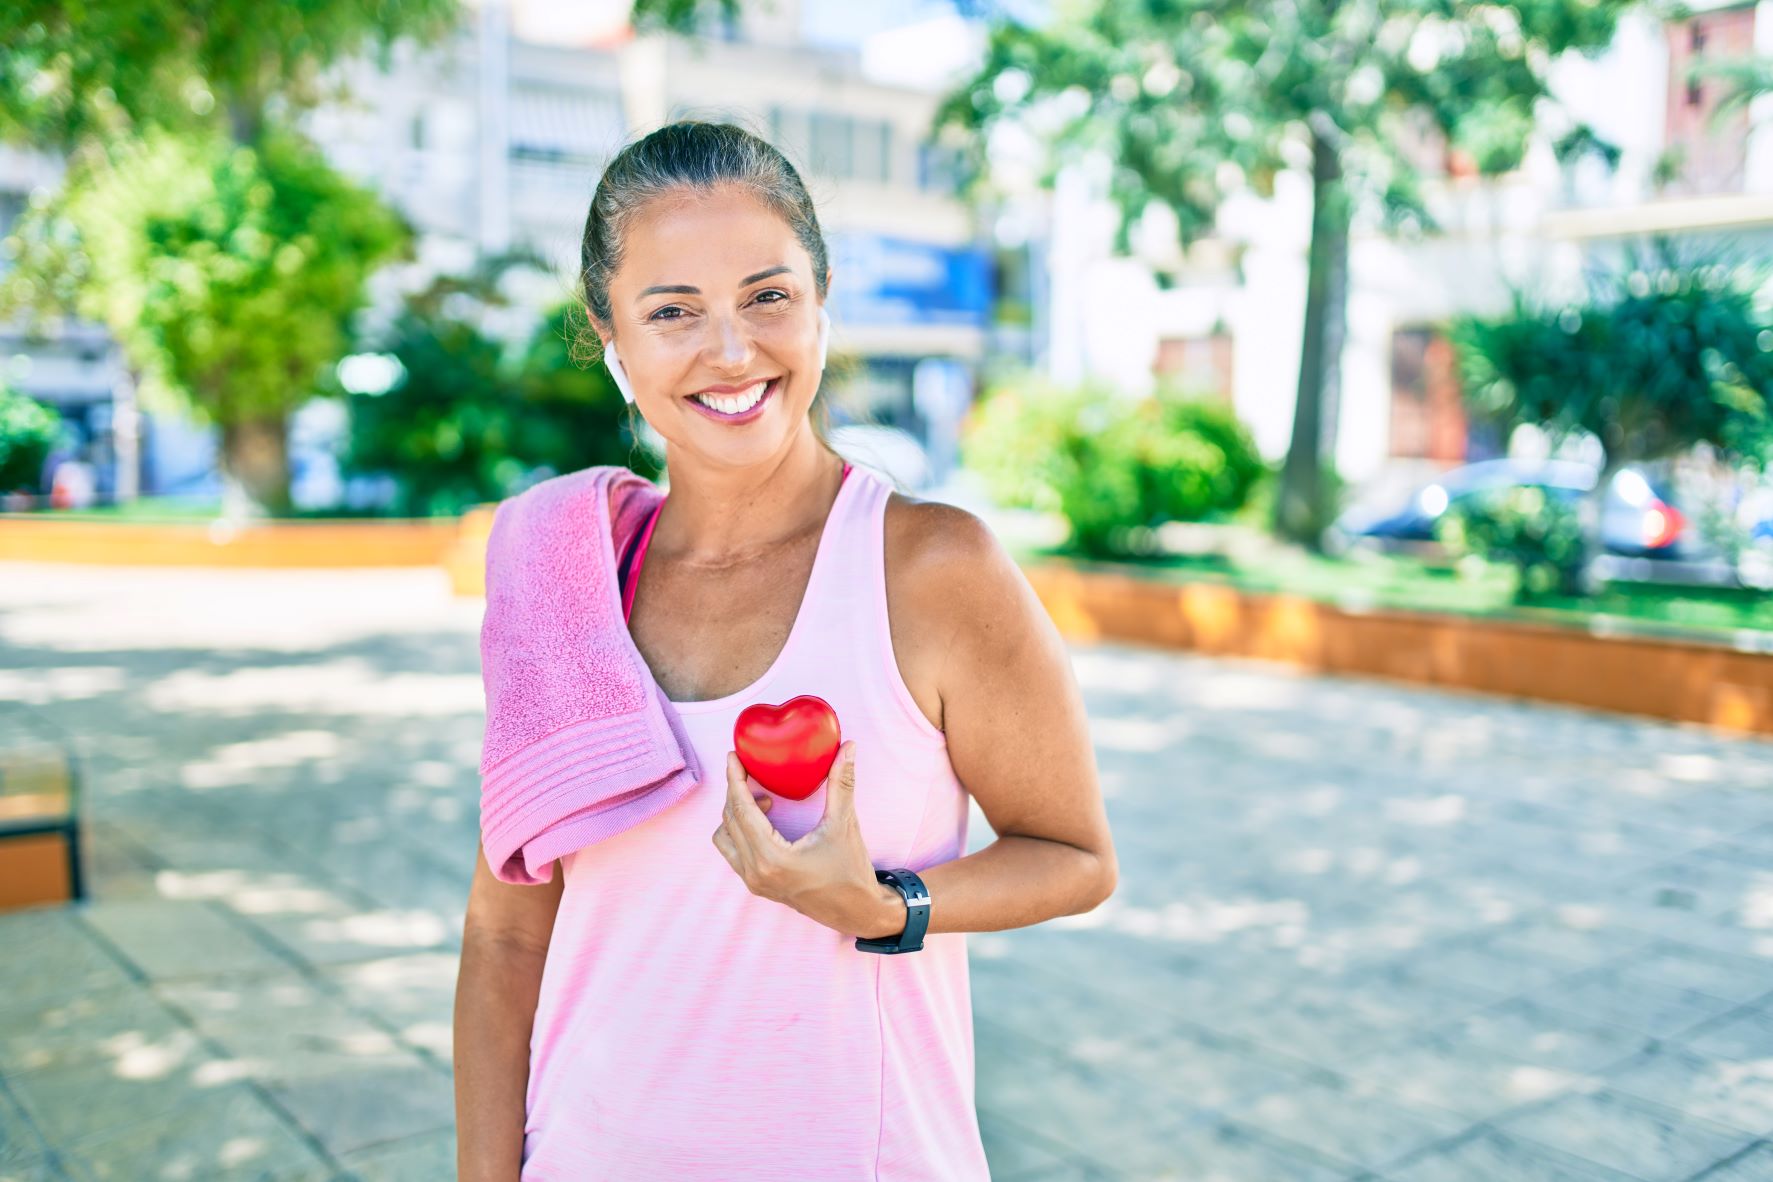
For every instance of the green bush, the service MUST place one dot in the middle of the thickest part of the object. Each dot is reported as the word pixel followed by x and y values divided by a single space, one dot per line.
pixel 1537 534
pixel 1114 467
pixel 474 419
pixel 28 430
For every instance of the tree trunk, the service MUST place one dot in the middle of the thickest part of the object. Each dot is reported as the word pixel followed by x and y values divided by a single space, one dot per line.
pixel 1304 507
pixel 255 460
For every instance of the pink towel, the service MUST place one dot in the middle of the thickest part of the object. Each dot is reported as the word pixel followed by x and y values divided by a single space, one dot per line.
pixel 581 742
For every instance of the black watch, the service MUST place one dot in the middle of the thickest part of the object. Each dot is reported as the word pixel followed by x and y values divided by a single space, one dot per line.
pixel 917 913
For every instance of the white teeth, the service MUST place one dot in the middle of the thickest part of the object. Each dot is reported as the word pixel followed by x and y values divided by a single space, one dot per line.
pixel 733 404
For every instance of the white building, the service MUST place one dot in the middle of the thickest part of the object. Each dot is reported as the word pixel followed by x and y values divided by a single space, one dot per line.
pixel 496 139
pixel 1228 317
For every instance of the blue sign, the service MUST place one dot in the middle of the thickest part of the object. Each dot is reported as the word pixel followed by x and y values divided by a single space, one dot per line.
pixel 878 280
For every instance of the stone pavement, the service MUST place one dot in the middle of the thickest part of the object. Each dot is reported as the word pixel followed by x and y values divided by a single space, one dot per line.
pixel 1363 931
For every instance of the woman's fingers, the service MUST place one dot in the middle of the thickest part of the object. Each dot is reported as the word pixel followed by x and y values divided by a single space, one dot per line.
pixel 742 810
pixel 840 783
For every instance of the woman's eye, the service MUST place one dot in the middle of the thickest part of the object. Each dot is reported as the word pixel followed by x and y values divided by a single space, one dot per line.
pixel 773 291
pixel 660 314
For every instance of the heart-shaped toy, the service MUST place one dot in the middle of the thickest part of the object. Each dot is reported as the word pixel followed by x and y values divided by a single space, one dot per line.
pixel 790 748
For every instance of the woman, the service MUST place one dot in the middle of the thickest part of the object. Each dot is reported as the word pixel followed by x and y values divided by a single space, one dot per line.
pixel 687 1000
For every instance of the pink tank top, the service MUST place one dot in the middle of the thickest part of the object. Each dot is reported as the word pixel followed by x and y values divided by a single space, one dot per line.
pixel 689 1030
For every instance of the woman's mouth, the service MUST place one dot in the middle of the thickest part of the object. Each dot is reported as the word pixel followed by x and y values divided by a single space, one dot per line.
pixel 737 408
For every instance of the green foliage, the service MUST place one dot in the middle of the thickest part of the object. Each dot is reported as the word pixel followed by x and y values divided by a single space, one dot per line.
pixel 74 69
pixel 1658 358
pixel 689 17
pixel 1194 99
pixel 229 274
pixel 473 420
pixel 1114 467
pixel 1536 533
pixel 28 430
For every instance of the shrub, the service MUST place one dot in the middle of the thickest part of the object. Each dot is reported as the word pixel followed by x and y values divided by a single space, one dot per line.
pixel 1538 533
pixel 1114 467
pixel 474 418
pixel 28 431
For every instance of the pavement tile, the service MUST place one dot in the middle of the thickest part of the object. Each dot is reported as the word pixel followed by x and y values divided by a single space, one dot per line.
pixel 1092 1116
pixel 1542 1036
pixel 171 938
pixel 120 1026
pixel 1350 1121
pixel 357 1105
pixel 1741 1034
pixel 282 1027
pixel 1487 1155
pixel 423 1158
pixel 1472 960
pixel 1625 997
pixel 1734 978
pixel 414 995
pixel 91 1100
pixel 1626 1133
pixel 1754 1164
pixel 1013 1150
pixel 50 955
pixel 1476 1084
pixel 1734 1093
pixel 20 1143
pixel 225 1134
pixel 1228 1152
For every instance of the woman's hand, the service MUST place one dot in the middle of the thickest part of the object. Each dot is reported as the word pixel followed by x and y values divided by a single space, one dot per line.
pixel 825 875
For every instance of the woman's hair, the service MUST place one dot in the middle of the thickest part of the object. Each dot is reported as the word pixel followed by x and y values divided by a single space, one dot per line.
pixel 694 155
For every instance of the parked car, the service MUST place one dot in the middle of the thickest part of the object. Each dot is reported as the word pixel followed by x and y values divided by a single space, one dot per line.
pixel 1639 518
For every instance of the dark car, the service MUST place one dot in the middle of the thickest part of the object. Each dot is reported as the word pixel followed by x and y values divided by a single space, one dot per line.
pixel 1638 518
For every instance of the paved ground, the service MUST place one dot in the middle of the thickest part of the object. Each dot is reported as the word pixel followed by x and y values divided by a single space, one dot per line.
pixel 1363 931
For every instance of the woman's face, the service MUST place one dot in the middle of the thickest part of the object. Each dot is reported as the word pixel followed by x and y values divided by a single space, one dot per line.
pixel 715 296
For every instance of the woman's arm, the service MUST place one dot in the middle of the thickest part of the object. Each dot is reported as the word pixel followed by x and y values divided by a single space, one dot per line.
pixel 504 945
pixel 1018 738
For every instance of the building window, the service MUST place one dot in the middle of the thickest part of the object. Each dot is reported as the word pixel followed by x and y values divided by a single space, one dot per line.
pixel 1198 365
pixel 1427 408
pixel 832 146
pixel 938 168
pixel 1706 154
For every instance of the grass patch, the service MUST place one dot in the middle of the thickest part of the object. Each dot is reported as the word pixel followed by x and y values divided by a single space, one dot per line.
pixel 1411 584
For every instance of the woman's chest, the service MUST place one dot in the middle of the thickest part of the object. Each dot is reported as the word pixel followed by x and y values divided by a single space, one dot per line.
pixel 895 783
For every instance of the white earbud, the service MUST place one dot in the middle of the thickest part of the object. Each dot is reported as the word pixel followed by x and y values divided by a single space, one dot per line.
pixel 616 372
pixel 620 375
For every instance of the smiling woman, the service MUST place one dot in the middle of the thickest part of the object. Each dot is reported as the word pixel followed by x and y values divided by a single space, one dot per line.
pixel 748 986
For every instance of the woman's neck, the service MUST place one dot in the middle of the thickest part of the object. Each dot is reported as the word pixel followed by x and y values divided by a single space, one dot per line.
pixel 720 518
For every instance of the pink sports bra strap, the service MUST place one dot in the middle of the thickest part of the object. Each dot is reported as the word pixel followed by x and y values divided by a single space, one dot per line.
pixel 632 579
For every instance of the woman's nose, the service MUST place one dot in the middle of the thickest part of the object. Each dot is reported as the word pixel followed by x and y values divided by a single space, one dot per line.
pixel 731 345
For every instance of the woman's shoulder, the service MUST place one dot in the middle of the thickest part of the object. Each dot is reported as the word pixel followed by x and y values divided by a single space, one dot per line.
pixel 945 564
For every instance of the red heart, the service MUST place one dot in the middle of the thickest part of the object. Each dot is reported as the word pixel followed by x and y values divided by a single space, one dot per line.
pixel 788 748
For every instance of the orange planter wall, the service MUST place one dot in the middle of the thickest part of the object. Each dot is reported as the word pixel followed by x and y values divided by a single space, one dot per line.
pixel 413 542
pixel 1682 681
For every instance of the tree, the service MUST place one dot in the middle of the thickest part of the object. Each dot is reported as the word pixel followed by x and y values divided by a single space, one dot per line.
pixel 472 417
pixel 228 274
pixel 1662 355
pixel 236 307
pixel 1193 100
pixel 28 432
pixel 75 71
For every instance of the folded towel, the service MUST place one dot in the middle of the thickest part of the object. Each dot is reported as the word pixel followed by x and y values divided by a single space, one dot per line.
pixel 581 742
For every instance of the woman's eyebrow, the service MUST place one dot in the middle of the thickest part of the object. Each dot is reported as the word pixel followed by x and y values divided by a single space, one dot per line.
pixel 686 289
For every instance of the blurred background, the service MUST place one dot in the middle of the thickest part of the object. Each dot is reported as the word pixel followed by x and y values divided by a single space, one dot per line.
pixel 1366 338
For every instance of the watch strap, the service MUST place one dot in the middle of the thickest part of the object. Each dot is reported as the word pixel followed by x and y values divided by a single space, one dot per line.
pixel 917 913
